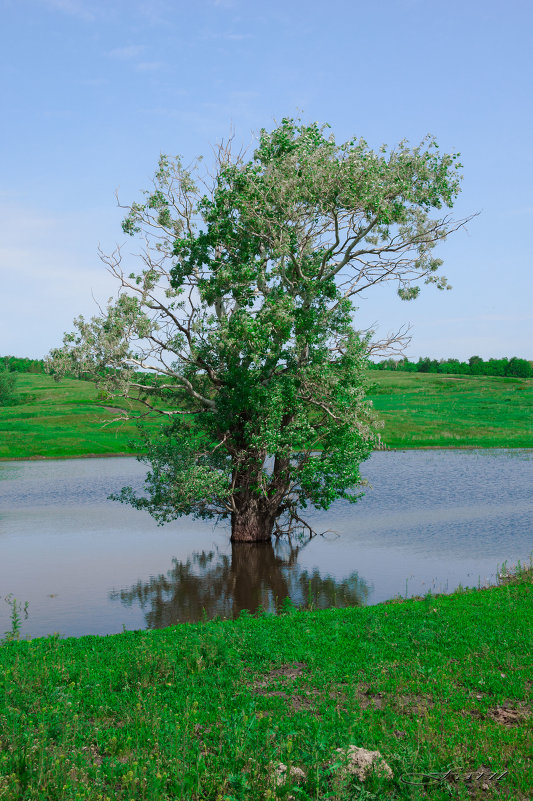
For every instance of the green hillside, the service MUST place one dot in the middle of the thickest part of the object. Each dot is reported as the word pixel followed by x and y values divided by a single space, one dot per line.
pixel 422 410
pixel 59 420
pixel 419 410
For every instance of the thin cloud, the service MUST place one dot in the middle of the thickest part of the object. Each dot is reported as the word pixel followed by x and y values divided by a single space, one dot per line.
pixel 228 36
pixel 149 66
pixel 236 37
pixel 155 12
pixel 74 8
pixel 483 318
pixel 518 212
pixel 127 53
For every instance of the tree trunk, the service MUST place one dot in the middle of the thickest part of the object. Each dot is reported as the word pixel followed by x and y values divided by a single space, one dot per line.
pixel 255 515
pixel 251 522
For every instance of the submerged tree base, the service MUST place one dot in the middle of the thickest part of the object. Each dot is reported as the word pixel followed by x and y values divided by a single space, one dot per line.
pixel 251 526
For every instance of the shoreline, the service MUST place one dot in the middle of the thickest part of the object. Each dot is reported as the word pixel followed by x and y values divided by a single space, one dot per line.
pixel 122 455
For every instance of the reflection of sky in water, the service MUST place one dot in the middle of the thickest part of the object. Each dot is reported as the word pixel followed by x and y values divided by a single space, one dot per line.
pixel 431 518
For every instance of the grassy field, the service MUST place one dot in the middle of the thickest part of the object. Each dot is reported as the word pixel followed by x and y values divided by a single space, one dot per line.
pixel 423 410
pixel 60 420
pixel 419 410
pixel 206 712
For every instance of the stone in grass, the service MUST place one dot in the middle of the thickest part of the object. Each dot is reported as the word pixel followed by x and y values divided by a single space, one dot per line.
pixel 362 763
pixel 283 774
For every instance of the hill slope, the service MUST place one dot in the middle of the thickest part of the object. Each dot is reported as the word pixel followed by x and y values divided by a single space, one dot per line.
pixel 419 410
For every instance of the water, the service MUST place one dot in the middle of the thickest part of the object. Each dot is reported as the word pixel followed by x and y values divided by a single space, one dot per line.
pixel 87 565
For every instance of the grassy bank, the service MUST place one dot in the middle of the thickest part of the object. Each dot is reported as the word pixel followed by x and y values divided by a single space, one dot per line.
pixel 419 410
pixel 204 711
pixel 62 419
pixel 423 410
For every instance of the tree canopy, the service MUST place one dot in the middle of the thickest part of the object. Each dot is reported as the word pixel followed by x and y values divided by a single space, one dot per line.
pixel 237 326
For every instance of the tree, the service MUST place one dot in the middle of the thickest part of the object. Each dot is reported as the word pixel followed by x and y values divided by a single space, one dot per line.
pixel 237 328
pixel 519 367
pixel 8 395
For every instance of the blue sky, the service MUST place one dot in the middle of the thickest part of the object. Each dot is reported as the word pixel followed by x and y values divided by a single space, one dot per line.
pixel 92 91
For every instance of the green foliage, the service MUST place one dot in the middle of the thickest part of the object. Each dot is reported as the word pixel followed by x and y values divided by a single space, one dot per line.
pixel 8 396
pixel 521 368
pixel 17 364
pixel 17 610
pixel 241 315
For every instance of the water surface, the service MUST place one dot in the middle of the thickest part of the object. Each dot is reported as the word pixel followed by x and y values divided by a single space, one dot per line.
pixel 87 565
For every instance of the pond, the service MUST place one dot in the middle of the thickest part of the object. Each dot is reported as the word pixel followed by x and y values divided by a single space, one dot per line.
pixel 432 520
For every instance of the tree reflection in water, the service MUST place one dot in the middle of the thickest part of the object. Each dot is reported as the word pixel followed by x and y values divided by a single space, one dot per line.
pixel 256 575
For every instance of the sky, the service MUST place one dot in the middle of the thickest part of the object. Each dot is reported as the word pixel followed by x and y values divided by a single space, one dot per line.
pixel 92 91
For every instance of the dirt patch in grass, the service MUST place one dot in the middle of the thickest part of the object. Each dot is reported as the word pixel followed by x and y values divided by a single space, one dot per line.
pixel 368 699
pixel 416 705
pixel 507 715
pixel 94 753
pixel 292 670
pixel 289 671
pixel 297 702
pixel 113 409
pixel 276 684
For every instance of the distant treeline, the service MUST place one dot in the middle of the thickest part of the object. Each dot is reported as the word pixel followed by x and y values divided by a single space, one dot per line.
pixel 17 364
pixel 519 368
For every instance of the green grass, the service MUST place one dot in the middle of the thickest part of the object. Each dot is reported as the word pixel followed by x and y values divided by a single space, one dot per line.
pixel 422 410
pixel 60 420
pixel 203 711
pixel 419 410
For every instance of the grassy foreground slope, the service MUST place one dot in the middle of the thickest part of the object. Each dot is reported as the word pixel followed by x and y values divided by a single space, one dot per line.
pixel 419 410
pixel 206 711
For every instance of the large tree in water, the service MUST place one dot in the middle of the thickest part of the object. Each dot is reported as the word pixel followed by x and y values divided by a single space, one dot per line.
pixel 237 327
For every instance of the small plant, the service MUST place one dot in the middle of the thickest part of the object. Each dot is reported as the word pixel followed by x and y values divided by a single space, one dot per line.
pixel 16 619
pixel 516 574
pixel 288 607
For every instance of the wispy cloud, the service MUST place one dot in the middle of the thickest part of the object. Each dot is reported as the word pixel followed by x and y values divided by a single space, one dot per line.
pixel 74 8
pixel 228 36
pixel 518 212
pixel 148 66
pixel 128 53
pixel 236 37
pixel 155 12
pixel 131 54
pixel 483 318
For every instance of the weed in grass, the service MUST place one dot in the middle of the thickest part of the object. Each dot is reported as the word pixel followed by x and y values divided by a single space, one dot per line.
pixel 17 610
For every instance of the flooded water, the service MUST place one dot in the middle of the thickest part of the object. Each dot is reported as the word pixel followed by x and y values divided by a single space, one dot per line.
pixel 86 565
